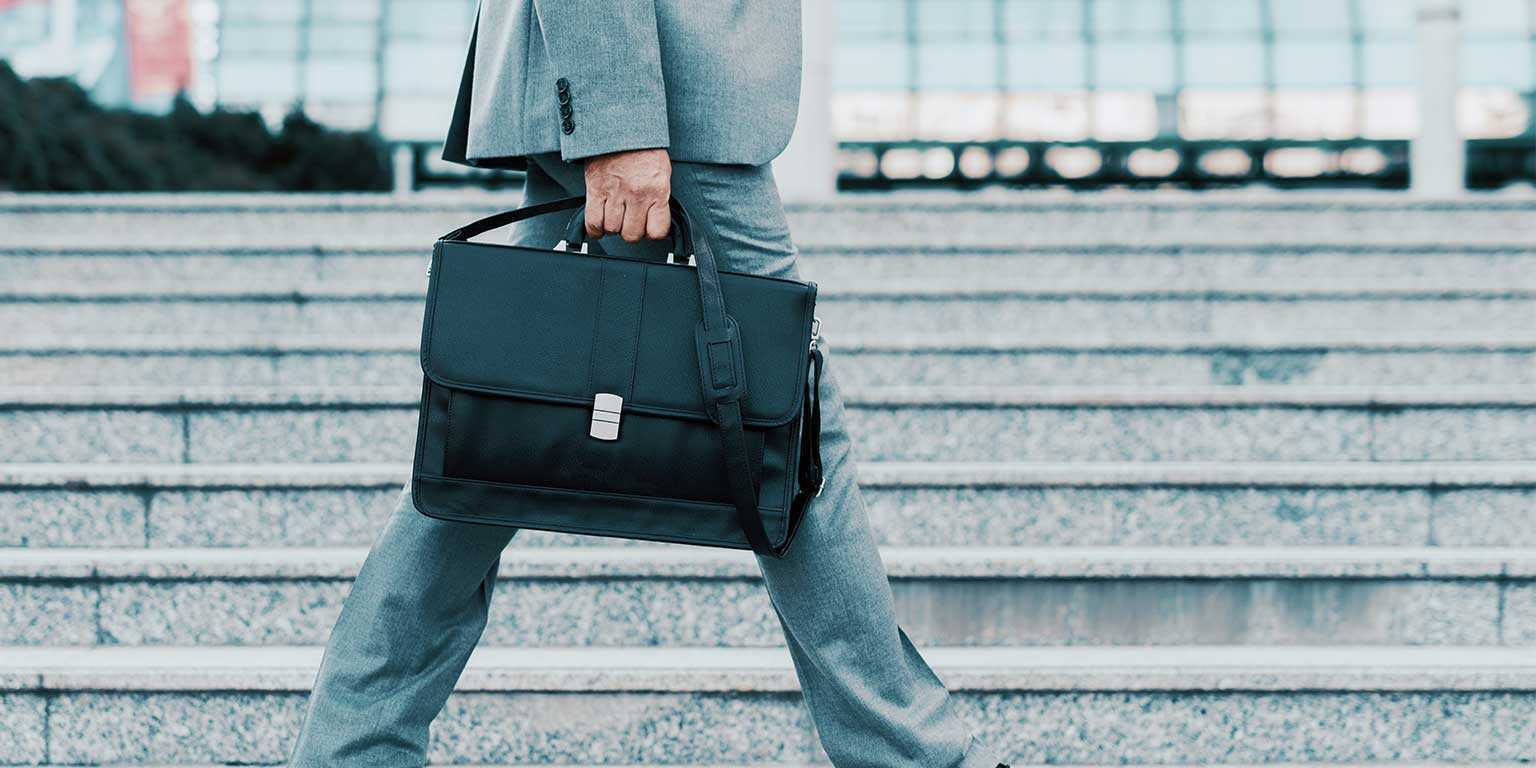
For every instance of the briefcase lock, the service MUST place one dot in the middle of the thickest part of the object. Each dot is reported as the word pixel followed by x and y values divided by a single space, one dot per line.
pixel 605 415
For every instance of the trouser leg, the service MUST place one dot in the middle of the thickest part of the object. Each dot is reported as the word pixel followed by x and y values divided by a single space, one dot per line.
pixel 874 700
pixel 410 622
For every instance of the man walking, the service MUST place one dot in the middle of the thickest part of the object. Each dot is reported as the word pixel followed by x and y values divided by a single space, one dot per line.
pixel 628 102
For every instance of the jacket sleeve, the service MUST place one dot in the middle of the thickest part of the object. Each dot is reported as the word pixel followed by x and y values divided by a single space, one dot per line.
pixel 607 62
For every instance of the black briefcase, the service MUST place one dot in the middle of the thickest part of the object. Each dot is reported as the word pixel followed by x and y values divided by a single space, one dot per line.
pixel 585 393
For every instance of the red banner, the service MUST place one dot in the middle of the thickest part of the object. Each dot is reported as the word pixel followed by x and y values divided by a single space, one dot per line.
pixel 159 47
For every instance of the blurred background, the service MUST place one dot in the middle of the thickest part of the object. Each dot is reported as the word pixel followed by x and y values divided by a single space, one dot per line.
pixel 1188 347
pixel 934 93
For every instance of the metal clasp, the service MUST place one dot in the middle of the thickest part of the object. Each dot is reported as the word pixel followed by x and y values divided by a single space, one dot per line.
pixel 672 259
pixel 605 416
pixel 563 246
pixel 815 332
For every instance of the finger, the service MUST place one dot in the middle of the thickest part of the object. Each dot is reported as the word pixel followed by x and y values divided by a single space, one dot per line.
pixel 635 217
pixel 594 224
pixel 658 222
pixel 613 215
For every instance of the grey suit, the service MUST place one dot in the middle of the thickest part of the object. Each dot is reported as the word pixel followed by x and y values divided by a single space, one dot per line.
pixel 713 81
pixel 406 631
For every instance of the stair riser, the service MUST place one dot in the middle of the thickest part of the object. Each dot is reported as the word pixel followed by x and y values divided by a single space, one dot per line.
pixel 902 225
pixel 940 433
pixel 854 368
pixel 194 273
pixel 1089 727
pixel 1038 319
pixel 730 612
pixel 961 516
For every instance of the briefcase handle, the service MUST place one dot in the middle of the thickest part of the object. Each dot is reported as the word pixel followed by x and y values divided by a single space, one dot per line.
pixel 717 343
pixel 681 233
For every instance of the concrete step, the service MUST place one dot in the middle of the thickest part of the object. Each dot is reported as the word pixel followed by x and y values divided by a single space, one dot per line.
pixel 1120 706
pixel 1050 317
pixel 692 596
pixel 870 360
pixel 1107 270
pixel 1308 504
pixel 951 221
pixel 300 425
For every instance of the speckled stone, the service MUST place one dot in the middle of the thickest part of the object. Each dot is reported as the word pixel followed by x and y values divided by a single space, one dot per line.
pixel 622 611
pixel 1256 728
pixel 625 612
pixel 1263 516
pixel 1109 434
pixel 23 721
pixel 310 518
pixel 622 728
pixel 220 612
pixel 1092 728
pixel 1485 516
pixel 1519 618
pixel 168 727
pixel 1199 612
pixel 1376 314
pixel 362 435
pixel 1505 434
pixel 90 435
pixel 1008 316
pixel 989 516
pixel 47 613
pixel 55 518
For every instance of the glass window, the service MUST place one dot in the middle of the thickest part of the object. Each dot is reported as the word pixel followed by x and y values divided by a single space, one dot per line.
pixel 1221 15
pixel 866 66
pixel 1033 19
pixel 1390 63
pixel 1497 62
pixel 1216 64
pixel 336 78
pixel 865 20
pixel 954 19
pixel 1132 18
pixel 1047 66
pixel 1135 65
pixel 1511 17
pixel 1309 64
pixel 1388 16
pixel 1311 16
pixel 950 66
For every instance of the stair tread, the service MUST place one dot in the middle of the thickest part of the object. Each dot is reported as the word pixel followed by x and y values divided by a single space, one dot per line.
pixel 960 340
pixel 959 395
pixel 871 474
pixel 956 562
pixel 1181 668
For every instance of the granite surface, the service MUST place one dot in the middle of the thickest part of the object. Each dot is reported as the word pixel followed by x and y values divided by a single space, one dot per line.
pixel 656 596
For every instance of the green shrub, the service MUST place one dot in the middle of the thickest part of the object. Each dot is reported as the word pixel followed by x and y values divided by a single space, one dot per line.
pixel 53 138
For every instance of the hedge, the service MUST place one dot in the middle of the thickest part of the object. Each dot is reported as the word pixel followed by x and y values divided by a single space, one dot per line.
pixel 53 138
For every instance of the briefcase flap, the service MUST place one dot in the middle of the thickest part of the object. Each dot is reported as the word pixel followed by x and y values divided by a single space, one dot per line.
pixel 563 327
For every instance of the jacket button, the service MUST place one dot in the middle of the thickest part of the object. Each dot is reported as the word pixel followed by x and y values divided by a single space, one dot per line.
pixel 565 110
pixel 563 85
pixel 568 126
pixel 565 97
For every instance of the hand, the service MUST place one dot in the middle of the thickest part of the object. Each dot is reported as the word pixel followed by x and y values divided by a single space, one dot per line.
pixel 627 194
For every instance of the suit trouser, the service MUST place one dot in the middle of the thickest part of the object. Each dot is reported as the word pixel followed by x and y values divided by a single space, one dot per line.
pixel 419 603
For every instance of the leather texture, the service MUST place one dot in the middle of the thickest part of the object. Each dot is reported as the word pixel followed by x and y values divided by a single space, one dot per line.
pixel 717 438
pixel 715 82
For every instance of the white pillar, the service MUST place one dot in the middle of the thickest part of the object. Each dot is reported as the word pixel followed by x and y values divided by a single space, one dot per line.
pixel 61 26
pixel 1437 162
pixel 404 169
pixel 808 168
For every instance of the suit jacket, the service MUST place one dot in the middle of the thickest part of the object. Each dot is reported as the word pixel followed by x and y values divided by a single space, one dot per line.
pixel 714 81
